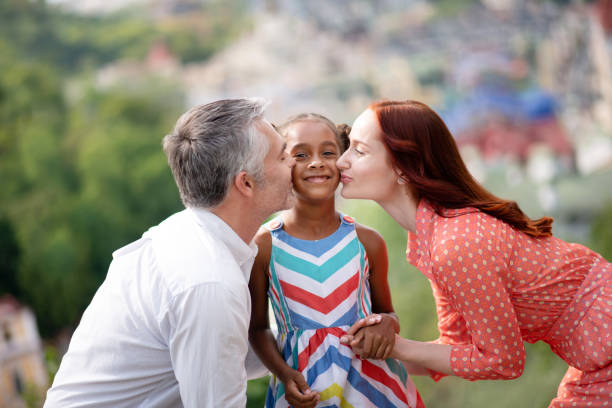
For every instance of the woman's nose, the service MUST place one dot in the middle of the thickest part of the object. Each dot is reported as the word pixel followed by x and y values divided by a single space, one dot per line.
pixel 341 162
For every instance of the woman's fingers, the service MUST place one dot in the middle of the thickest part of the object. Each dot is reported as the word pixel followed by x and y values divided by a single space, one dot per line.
pixel 387 351
pixel 366 321
pixel 378 348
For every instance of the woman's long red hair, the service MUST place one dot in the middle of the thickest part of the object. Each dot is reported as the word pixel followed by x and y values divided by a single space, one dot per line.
pixel 425 153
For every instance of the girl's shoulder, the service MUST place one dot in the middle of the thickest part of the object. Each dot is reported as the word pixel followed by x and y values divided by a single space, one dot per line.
pixel 369 237
pixel 263 240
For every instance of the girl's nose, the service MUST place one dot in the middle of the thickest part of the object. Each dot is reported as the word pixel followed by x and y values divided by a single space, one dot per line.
pixel 315 164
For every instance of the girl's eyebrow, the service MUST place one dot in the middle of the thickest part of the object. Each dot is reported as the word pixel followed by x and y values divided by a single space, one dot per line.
pixel 300 146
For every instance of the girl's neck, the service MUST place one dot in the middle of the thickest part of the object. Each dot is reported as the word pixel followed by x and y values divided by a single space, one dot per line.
pixel 312 220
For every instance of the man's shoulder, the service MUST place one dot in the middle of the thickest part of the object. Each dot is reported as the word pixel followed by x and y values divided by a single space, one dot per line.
pixel 188 255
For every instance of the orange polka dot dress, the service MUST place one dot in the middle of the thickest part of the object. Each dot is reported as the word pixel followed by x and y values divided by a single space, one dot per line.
pixel 496 287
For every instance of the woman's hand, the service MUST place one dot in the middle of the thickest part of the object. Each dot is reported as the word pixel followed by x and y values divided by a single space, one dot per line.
pixel 372 337
pixel 365 322
pixel 297 392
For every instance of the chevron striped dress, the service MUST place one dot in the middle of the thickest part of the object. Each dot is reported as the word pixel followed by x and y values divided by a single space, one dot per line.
pixel 318 289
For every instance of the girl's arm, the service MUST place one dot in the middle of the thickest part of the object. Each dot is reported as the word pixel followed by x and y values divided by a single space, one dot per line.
pixel 377 340
pixel 262 340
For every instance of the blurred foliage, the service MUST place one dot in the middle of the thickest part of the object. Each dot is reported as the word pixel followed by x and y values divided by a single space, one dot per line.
pixel 33 396
pixel 70 42
pixel 256 392
pixel 52 361
pixel 9 258
pixel 601 235
pixel 82 168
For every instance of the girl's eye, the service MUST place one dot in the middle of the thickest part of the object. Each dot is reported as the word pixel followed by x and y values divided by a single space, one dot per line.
pixel 328 154
pixel 298 156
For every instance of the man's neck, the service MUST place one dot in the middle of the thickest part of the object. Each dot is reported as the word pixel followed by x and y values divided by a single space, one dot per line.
pixel 239 216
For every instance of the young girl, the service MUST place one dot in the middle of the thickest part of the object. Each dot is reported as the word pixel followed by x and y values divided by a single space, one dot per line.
pixel 322 273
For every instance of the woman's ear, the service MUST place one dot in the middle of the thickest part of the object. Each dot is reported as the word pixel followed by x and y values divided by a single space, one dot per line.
pixel 400 177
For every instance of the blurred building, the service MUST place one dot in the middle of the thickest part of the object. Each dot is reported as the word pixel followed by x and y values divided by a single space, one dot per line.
pixel 21 362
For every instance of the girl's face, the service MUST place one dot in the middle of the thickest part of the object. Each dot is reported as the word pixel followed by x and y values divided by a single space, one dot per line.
pixel 314 147
pixel 366 168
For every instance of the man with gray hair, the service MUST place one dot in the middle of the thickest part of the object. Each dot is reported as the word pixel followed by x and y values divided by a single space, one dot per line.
pixel 169 325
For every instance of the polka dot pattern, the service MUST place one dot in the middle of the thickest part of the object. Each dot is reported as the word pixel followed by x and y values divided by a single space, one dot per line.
pixel 496 287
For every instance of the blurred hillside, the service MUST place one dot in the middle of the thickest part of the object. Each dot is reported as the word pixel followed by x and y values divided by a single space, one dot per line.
pixel 89 88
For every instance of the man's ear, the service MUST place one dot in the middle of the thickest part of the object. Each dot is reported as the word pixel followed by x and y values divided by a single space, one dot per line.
pixel 245 184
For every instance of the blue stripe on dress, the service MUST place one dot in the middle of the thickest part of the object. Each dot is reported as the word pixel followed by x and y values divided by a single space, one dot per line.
pixel 317 247
pixel 367 389
pixel 333 356
pixel 306 323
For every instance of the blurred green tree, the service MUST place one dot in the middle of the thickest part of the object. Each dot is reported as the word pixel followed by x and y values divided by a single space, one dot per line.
pixel 9 259
pixel 601 235
pixel 83 175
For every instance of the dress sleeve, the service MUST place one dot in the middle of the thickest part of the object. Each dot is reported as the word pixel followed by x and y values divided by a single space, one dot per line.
pixel 208 346
pixel 467 271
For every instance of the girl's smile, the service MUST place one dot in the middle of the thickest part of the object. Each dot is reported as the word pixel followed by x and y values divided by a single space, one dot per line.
pixel 314 147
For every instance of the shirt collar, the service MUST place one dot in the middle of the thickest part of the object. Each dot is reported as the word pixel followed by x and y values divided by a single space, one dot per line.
pixel 242 252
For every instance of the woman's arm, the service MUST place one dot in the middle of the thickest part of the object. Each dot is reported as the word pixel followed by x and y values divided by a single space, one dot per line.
pixel 480 319
pixel 261 338
pixel 418 357
pixel 422 356
pixel 468 270
pixel 377 340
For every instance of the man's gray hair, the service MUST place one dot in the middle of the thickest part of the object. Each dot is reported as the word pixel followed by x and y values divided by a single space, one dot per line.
pixel 211 144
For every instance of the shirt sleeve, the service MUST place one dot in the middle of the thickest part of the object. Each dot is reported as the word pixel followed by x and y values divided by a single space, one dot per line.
pixel 208 346
pixel 467 270
pixel 451 325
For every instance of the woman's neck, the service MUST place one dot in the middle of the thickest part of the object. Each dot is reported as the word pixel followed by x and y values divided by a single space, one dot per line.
pixel 402 207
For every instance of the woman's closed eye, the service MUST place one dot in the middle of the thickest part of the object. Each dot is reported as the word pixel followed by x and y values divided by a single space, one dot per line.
pixel 358 152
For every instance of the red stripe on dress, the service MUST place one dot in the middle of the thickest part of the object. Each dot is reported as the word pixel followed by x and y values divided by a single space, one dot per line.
pixel 278 304
pixel 314 342
pixel 323 305
pixel 419 403
pixel 378 374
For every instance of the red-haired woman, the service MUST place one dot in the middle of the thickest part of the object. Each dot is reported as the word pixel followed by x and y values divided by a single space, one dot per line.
pixel 498 277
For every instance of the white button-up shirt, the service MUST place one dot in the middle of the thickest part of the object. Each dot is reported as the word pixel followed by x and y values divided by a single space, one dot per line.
pixel 169 325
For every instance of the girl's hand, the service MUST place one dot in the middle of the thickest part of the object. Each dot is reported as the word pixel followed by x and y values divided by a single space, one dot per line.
pixel 376 341
pixel 297 392
pixel 359 324
pixel 372 337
